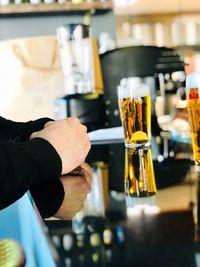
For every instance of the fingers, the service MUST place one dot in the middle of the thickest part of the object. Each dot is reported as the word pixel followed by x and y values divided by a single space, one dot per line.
pixel 48 123
pixel 33 135
pixel 85 171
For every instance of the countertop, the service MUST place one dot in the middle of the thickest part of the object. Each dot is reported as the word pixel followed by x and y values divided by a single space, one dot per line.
pixel 165 238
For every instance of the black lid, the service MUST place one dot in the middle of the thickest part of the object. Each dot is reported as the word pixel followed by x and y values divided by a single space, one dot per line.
pixel 72 27
pixel 141 61
pixel 134 61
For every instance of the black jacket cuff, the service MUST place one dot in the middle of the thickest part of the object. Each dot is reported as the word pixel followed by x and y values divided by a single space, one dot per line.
pixel 37 125
pixel 46 158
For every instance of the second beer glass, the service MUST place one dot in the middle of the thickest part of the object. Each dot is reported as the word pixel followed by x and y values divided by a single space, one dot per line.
pixel 193 104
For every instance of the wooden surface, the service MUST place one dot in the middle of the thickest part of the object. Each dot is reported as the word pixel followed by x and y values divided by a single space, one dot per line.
pixel 54 7
pixel 178 197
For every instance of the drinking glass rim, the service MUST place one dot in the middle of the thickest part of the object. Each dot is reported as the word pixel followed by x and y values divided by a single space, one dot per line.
pixel 140 90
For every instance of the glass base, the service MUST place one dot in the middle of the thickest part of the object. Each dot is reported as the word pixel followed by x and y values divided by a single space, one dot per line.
pixel 141 206
pixel 141 194
pixel 137 146
pixel 132 202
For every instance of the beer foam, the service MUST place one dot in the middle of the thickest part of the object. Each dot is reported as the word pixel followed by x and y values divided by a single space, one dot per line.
pixel 133 87
pixel 193 80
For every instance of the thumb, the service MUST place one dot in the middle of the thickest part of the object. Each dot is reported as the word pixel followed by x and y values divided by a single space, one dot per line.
pixel 33 135
pixel 48 123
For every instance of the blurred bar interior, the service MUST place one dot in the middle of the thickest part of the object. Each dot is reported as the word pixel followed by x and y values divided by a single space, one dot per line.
pixel 64 58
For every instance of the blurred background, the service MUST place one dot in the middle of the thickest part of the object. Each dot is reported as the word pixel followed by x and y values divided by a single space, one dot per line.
pixel 61 58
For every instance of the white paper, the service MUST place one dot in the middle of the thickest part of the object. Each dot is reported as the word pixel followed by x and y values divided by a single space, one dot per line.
pixel 114 133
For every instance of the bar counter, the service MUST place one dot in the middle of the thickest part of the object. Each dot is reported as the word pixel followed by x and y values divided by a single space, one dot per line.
pixel 164 238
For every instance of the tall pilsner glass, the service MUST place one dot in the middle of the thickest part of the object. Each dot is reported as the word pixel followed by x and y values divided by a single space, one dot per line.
pixel 193 104
pixel 135 110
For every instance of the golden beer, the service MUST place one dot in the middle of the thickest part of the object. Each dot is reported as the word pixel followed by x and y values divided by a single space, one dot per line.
pixel 193 104
pixel 136 119
pixel 139 173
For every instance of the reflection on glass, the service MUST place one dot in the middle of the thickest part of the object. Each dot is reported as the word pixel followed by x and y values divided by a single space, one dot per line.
pixel 197 210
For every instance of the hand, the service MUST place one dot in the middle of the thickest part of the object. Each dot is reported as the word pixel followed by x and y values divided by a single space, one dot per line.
pixel 77 185
pixel 69 138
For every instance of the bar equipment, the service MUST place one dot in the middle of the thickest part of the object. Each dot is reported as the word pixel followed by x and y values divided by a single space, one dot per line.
pixel 135 110
pixel 83 83
pixel 79 59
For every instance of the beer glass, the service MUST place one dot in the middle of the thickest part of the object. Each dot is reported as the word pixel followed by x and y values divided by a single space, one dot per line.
pixel 135 111
pixel 193 105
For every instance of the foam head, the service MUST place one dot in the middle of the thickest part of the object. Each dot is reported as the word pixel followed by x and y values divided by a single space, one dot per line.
pixel 193 80
pixel 133 87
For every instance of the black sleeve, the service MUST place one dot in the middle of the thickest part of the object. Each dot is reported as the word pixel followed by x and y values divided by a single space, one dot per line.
pixel 18 132
pixel 48 196
pixel 32 165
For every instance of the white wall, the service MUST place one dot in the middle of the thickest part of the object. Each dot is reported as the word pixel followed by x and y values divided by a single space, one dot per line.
pixel 26 92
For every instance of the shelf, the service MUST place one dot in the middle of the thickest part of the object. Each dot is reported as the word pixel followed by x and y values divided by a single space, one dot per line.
pixel 54 7
pixel 149 7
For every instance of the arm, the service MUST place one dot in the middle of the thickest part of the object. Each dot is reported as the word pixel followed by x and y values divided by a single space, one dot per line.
pixel 59 147
pixel 22 166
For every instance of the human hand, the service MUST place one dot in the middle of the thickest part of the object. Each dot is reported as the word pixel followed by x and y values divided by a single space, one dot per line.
pixel 69 138
pixel 77 185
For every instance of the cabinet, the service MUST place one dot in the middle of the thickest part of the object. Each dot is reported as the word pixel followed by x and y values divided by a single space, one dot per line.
pixel 162 23
pixel 147 7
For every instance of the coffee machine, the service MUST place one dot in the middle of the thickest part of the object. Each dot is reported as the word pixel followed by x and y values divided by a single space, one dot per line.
pixel 151 64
